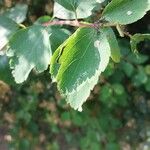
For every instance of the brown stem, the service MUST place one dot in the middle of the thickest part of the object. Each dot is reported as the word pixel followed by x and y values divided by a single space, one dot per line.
pixel 74 23
pixel 127 34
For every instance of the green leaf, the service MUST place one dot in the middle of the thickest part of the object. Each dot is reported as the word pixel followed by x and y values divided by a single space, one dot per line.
pixel 42 20
pixel 80 9
pixel 127 67
pixel 140 78
pixel 77 119
pixel 77 64
pixel 118 89
pixel 65 116
pixel 136 39
pixel 69 4
pixel 5 72
pixel 137 59
pixel 24 144
pixel 29 48
pixel 112 146
pixel 125 11
pixel 58 36
pixel 17 13
pixel 106 93
pixel 147 69
pixel 110 70
pixel 7 29
pixel 115 50
pixel 147 85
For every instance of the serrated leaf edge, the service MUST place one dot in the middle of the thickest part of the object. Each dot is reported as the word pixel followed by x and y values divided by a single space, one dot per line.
pixel 91 81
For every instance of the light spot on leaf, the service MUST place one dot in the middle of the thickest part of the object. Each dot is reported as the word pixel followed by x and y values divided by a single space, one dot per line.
pixel 97 43
pixel 100 1
pixel 129 13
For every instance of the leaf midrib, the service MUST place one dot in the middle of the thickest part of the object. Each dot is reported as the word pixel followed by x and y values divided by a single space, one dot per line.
pixel 59 82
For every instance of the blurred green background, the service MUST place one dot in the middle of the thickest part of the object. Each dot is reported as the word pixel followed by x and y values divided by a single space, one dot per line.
pixel 116 116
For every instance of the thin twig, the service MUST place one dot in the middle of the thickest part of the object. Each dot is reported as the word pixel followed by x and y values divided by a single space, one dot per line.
pixel 127 34
pixel 74 23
